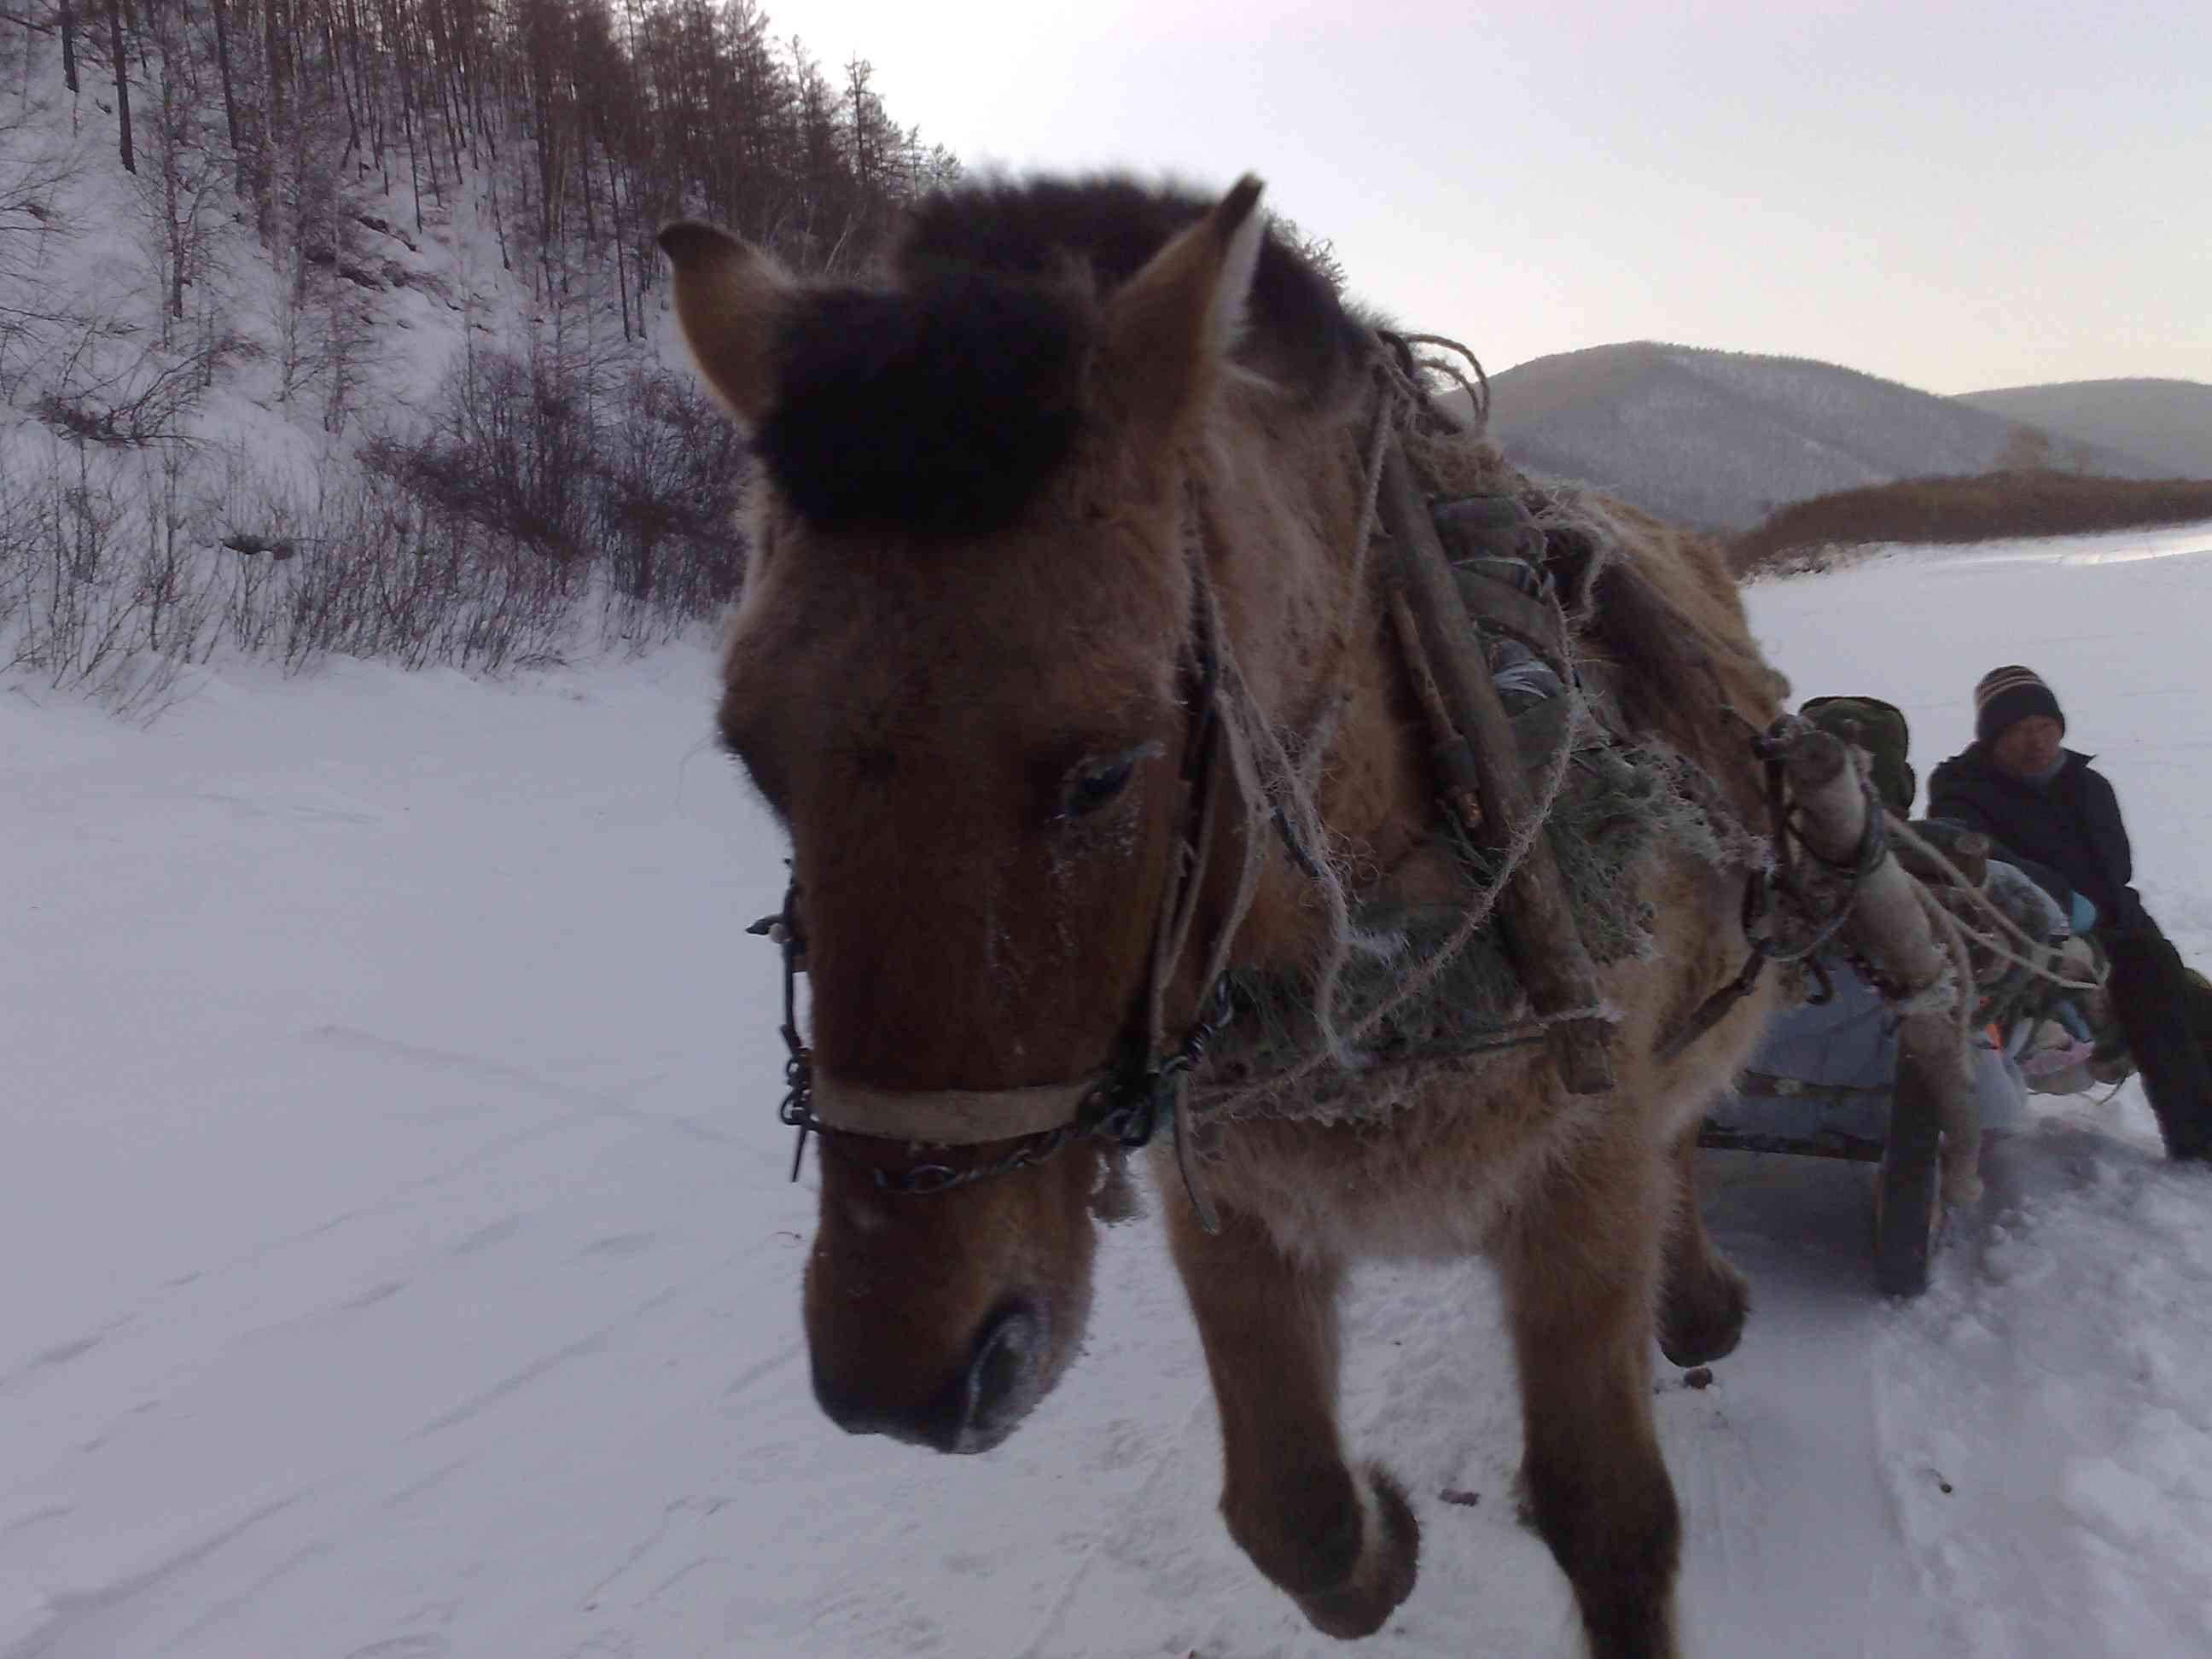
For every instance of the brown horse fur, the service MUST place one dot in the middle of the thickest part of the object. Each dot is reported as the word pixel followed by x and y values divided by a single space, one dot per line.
pixel 985 481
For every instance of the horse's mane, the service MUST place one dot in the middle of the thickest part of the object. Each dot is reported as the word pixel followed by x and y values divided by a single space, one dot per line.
pixel 1297 333
pixel 942 401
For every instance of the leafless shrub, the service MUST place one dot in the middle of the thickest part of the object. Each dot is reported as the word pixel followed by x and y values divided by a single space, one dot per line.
pixel 101 588
pixel 107 385
pixel 370 576
pixel 508 450
pixel 673 470
pixel 1970 509
pixel 177 593
pixel 69 612
pixel 634 477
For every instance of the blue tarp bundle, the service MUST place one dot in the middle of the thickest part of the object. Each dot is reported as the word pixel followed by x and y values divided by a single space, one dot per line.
pixel 1827 1071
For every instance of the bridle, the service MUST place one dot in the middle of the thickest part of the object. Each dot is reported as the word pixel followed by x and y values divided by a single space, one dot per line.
pixel 1128 1101
pixel 1125 1103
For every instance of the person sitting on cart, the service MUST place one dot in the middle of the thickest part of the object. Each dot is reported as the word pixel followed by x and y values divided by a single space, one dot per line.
pixel 2047 809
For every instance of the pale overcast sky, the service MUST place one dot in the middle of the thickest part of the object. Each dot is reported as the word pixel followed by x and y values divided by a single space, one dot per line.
pixel 1956 196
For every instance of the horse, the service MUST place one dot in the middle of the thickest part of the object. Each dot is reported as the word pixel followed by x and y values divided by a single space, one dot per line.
pixel 1063 657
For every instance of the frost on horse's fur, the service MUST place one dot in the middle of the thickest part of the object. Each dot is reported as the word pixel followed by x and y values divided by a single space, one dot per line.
pixel 931 650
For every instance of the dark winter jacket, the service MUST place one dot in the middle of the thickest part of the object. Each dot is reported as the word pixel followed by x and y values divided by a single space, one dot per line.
pixel 2071 825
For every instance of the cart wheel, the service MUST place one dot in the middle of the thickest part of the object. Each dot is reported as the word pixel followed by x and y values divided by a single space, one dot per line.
pixel 1908 1203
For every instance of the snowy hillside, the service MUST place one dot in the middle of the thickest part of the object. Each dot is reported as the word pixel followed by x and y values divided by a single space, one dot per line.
pixel 402 1264
pixel 2167 423
pixel 352 339
pixel 1720 439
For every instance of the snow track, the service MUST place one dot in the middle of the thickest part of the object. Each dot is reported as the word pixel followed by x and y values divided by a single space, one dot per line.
pixel 1778 1465
pixel 401 1265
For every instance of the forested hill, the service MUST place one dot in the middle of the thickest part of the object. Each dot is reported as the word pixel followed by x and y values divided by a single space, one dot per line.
pixel 1719 439
pixel 2167 423
pixel 585 124
pixel 316 296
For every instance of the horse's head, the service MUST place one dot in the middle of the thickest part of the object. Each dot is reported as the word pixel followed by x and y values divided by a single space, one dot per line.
pixel 964 674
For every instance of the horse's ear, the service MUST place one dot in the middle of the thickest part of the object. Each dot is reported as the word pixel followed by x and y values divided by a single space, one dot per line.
pixel 729 297
pixel 1177 319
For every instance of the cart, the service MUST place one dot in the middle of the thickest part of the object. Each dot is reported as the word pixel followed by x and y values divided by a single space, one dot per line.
pixel 1822 1085
pixel 1823 1082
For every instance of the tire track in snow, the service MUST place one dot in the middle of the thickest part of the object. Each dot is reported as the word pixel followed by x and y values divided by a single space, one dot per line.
pixel 79 1616
pixel 1779 1465
pixel 1138 1510
pixel 586 1101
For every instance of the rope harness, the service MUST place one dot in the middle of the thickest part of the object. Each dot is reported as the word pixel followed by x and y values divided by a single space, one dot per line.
pixel 1796 930
pixel 1128 1104
pixel 1793 904
pixel 1820 917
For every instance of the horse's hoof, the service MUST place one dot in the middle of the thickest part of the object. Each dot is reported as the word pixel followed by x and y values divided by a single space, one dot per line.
pixel 1387 1569
pixel 1704 1324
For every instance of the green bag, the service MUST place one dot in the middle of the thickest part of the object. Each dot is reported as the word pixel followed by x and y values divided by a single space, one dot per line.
pixel 1878 728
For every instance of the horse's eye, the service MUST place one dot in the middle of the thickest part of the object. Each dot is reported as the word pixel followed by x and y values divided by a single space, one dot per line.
pixel 1095 783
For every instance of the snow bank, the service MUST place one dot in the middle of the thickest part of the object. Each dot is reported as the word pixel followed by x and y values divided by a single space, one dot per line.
pixel 402 1262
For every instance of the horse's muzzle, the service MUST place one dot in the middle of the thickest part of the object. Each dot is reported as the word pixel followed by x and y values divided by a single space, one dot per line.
pixel 976 1409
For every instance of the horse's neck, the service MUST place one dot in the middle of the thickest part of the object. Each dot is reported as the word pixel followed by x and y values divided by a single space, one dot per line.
pixel 1302 591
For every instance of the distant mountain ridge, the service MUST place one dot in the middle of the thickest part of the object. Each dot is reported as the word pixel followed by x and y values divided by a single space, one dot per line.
pixel 1718 440
pixel 2166 423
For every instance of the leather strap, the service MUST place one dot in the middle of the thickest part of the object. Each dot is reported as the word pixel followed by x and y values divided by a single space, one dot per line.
pixel 947 1117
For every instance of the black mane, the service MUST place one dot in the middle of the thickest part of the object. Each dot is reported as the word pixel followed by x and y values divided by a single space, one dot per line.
pixel 943 404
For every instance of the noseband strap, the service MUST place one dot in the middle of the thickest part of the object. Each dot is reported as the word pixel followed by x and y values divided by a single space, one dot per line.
pixel 948 1117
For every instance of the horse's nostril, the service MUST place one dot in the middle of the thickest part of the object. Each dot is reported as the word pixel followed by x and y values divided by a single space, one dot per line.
pixel 1000 1375
pixel 971 1409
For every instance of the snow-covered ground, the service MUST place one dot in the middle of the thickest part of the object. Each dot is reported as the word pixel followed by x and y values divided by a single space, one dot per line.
pixel 400 1261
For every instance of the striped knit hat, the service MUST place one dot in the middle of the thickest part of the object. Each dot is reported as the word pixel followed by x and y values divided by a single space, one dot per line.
pixel 2006 695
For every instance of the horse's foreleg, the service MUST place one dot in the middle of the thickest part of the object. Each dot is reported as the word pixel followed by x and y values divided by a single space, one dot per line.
pixel 1343 1543
pixel 1702 1300
pixel 1581 1269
